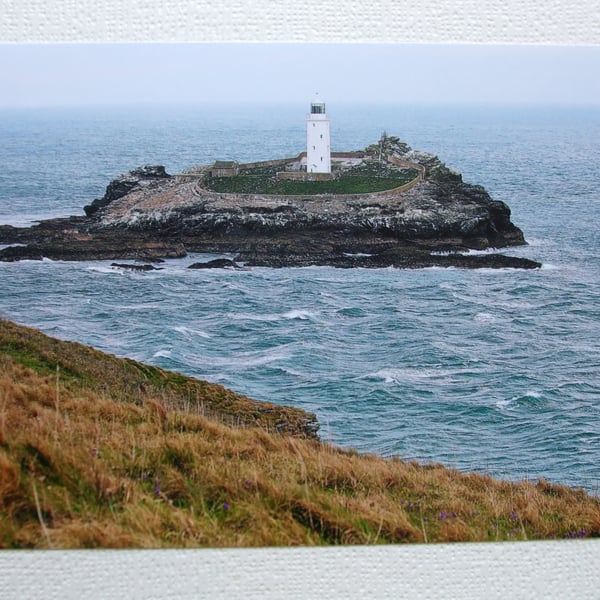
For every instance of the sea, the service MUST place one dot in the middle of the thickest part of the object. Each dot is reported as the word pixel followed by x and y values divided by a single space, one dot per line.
pixel 494 371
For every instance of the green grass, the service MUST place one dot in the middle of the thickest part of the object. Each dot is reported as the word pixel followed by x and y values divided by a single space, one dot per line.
pixel 364 178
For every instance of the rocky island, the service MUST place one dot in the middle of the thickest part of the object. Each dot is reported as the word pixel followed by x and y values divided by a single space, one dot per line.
pixel 387 205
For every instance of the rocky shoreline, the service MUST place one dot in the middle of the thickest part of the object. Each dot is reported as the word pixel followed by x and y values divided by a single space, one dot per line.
pixel 148 215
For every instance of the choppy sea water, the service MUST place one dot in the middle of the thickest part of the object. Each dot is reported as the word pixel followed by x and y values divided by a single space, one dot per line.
pixel 490 370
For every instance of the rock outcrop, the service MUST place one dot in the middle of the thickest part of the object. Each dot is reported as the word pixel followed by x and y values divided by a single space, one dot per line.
pixel 130 267
pixel 147 214
pixel 217 263
pixel 141 177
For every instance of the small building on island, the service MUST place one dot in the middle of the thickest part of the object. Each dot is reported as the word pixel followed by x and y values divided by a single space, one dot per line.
pixel 224 168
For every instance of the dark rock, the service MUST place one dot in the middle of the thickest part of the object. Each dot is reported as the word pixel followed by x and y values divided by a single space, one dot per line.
pixel 402 258
pixel 9 234
pixel 122 185
pixel 14 253
pixel 217 263
pixel 77 243
pixel 135 267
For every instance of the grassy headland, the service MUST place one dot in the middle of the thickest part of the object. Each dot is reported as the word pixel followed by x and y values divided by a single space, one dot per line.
pixel 97 451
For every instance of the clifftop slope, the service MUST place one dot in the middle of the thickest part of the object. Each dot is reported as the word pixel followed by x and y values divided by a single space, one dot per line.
pixel 97 451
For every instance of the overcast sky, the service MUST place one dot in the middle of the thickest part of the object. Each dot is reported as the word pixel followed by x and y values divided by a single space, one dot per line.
pixel 103 74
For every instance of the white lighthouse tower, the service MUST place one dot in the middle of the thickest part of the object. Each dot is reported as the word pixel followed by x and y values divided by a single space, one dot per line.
pixel 318 151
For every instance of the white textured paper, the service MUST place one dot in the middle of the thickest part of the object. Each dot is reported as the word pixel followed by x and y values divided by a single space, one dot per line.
pixel 516 570
pixel 472 21
pixel 525 570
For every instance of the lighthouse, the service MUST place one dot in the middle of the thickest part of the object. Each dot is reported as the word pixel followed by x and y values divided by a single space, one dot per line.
pixel 318 151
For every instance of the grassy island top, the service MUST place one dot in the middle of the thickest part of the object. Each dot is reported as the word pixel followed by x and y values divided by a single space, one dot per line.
pixel 366 177
pixel 97 451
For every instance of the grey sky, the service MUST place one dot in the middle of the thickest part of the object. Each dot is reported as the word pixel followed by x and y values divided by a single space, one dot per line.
pixel 84 74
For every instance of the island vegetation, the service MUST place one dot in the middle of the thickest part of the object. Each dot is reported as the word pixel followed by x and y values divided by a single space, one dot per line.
pixel 367 177
pixel 103 452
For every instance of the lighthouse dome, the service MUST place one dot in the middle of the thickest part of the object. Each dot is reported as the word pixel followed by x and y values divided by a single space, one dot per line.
pixel 317 106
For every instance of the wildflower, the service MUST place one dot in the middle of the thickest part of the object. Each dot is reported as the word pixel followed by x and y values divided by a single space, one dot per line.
pixel 247 483
pixel 225 505
pixel 443 515
pixel 157 486
pixel 473 513
pixel 576 534
pixel 453 514
pixel 513 515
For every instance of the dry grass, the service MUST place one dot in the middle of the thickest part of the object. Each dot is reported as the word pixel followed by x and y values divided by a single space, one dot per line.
pixel 82 467
pixel 81 366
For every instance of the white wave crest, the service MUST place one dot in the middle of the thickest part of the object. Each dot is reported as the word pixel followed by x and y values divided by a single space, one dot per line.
pixel 300 314
pixel 505 404
pixel 410 375
pixel 106 270
pixel 191 332
pixel 243 360
pixel 484 317
pixel 303 315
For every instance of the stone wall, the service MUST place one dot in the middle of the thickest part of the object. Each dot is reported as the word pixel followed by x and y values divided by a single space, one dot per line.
pixel 399 162
pixel 304 176
pixel 279 162
pixel 301 175
pixel 349 157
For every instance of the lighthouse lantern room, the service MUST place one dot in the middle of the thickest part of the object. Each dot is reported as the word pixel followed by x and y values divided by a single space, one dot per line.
pixel 318 151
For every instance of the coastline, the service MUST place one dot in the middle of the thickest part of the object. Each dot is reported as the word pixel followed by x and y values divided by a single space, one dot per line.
pixel 147 214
